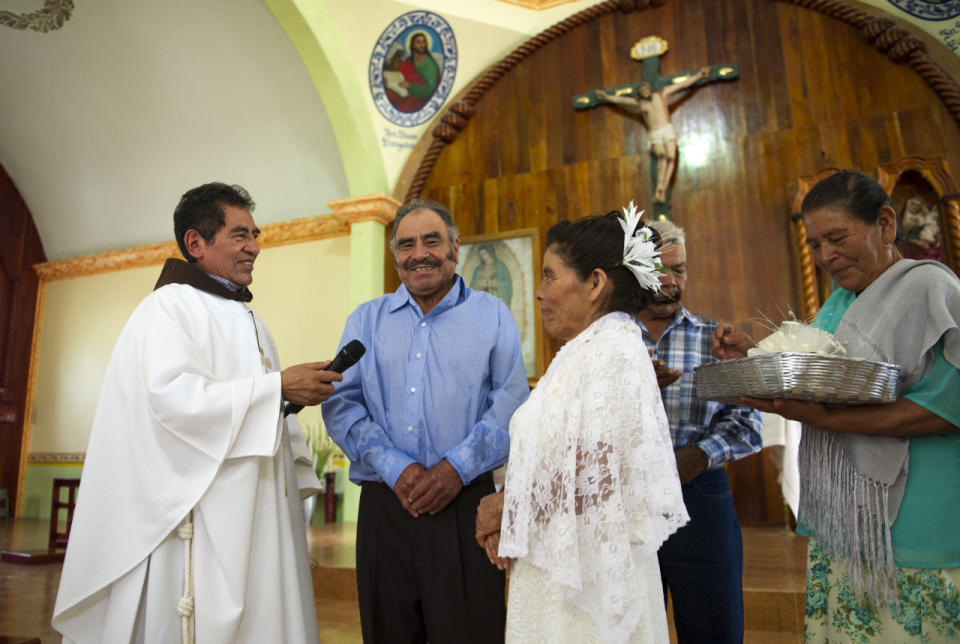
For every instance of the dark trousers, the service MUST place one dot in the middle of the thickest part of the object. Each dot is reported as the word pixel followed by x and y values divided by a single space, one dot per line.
pixel 702 564
pixel 426 579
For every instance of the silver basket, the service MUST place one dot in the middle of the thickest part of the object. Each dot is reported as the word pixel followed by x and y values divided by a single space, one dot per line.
pixel 832 380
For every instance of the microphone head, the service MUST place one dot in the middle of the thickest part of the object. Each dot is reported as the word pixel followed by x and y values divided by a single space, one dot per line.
pixel 354 350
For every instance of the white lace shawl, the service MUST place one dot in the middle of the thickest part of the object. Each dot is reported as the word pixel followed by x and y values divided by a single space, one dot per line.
pixel 592 473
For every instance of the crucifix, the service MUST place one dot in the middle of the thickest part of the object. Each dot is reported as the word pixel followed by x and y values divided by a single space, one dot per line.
pixel 649 100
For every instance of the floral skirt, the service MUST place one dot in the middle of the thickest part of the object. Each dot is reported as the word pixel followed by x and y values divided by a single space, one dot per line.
pixel 929 605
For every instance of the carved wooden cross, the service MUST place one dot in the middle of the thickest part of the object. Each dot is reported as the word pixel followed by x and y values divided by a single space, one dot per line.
pixel 648 99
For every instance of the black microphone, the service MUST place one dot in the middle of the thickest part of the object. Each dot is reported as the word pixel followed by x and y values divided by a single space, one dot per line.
pixel 346 358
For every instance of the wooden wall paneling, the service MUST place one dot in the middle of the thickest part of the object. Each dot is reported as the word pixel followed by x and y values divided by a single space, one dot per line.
pixel 20 248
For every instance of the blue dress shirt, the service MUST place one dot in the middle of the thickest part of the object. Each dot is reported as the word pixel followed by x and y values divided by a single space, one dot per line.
pixel 429 387
pixel 723 432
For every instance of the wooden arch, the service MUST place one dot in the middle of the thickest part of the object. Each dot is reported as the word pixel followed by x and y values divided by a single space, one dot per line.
pixel 883 33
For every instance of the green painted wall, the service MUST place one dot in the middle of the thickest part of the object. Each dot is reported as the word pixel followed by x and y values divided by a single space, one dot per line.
pixel 38 487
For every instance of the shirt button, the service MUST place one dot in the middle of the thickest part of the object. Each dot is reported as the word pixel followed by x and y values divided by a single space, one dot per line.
pixel 423 324
pixel 410 428
pixel 412 389
pixel 419 356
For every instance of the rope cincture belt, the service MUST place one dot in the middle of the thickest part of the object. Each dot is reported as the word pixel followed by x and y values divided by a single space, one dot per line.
pixel 185 605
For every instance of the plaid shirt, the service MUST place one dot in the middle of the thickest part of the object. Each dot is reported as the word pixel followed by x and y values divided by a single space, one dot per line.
pixel 723 432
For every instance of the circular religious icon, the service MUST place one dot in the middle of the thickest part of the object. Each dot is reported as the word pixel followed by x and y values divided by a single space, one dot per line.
pixel 413 67
pixel 929 9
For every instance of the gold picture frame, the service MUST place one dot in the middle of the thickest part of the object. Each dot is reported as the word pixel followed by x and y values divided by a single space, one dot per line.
pixel 507 264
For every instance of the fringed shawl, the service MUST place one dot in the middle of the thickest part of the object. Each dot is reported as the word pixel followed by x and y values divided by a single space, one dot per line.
pixel 852 484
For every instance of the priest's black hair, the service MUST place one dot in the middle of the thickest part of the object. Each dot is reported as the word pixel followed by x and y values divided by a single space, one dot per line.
pixel 201 209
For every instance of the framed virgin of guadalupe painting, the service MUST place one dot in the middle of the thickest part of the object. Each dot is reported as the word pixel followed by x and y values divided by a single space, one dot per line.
pixel 507 265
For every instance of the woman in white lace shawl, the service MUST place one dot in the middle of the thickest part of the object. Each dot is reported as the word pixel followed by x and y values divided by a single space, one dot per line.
pixel 591 487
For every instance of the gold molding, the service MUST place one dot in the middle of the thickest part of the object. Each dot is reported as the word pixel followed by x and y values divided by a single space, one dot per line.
pixel 275 234
pixel 51 17
pixel 376 207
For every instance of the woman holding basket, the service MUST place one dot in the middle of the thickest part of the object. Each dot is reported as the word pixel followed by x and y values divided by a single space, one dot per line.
pixel 880 484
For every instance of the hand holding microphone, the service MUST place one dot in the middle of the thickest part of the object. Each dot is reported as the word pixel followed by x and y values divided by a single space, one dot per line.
pixel 310 383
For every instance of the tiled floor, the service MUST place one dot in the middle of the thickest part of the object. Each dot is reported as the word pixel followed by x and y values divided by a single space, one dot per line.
pixel 773 584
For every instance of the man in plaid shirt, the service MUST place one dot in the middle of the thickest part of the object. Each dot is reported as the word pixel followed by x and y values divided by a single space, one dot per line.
pixel 702 563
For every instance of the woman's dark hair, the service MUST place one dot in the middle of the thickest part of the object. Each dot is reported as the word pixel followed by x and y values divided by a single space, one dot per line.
pixel 597 242
pixel 853 192
pixel 201 209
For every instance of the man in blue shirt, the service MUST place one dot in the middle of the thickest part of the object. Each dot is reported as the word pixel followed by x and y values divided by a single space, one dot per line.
pixel 702 563
pixel 423 418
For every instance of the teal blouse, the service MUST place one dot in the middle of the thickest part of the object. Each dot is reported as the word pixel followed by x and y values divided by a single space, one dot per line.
pixel 926 533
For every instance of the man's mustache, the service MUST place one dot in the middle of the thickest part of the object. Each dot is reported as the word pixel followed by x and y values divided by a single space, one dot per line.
pixel 667 296
pixel 416 263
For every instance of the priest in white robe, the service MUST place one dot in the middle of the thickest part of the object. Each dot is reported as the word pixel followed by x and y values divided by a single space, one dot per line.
pixel 188 524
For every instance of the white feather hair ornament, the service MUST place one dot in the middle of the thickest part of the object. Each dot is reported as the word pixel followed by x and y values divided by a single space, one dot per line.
pixel 640 254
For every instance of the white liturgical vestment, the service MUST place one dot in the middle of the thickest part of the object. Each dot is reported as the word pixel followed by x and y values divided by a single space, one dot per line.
pixel 190 417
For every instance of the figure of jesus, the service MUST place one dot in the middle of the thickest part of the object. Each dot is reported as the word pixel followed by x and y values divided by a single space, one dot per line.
pixel 652 106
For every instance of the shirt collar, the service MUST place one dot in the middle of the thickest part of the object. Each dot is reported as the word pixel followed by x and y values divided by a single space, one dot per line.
pixel 679 316
pixel 223 280
pixel 177 271
pixel 454 296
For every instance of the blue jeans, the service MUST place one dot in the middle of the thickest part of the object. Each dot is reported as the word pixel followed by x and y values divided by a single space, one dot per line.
pixel 701 565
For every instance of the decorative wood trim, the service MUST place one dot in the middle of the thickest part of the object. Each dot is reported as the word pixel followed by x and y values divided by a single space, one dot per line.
pixel 809 290
pixel 808 272
pixel 897 43
pixel 275 234
pixel 936 171
pixel 52 16
pixel 31 390
pixel 933 169
pixel 951 206
pixel 376 207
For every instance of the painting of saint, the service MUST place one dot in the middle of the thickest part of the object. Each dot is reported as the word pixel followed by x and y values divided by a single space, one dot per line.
pixel 412 72
pixel 492 275
pixel 504 268
pixel 921 237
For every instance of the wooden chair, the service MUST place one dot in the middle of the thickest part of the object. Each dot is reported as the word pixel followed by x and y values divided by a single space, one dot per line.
pixel 57 538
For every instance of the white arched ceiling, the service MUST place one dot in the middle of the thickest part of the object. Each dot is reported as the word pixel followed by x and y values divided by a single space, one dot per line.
pixel 106 121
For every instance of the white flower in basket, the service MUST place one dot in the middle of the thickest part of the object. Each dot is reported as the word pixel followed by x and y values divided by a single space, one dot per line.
pixel 793 336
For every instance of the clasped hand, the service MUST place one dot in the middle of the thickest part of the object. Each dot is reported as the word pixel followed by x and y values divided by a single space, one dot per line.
pixel 308 384
pixel 427 491
pixel 489 517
